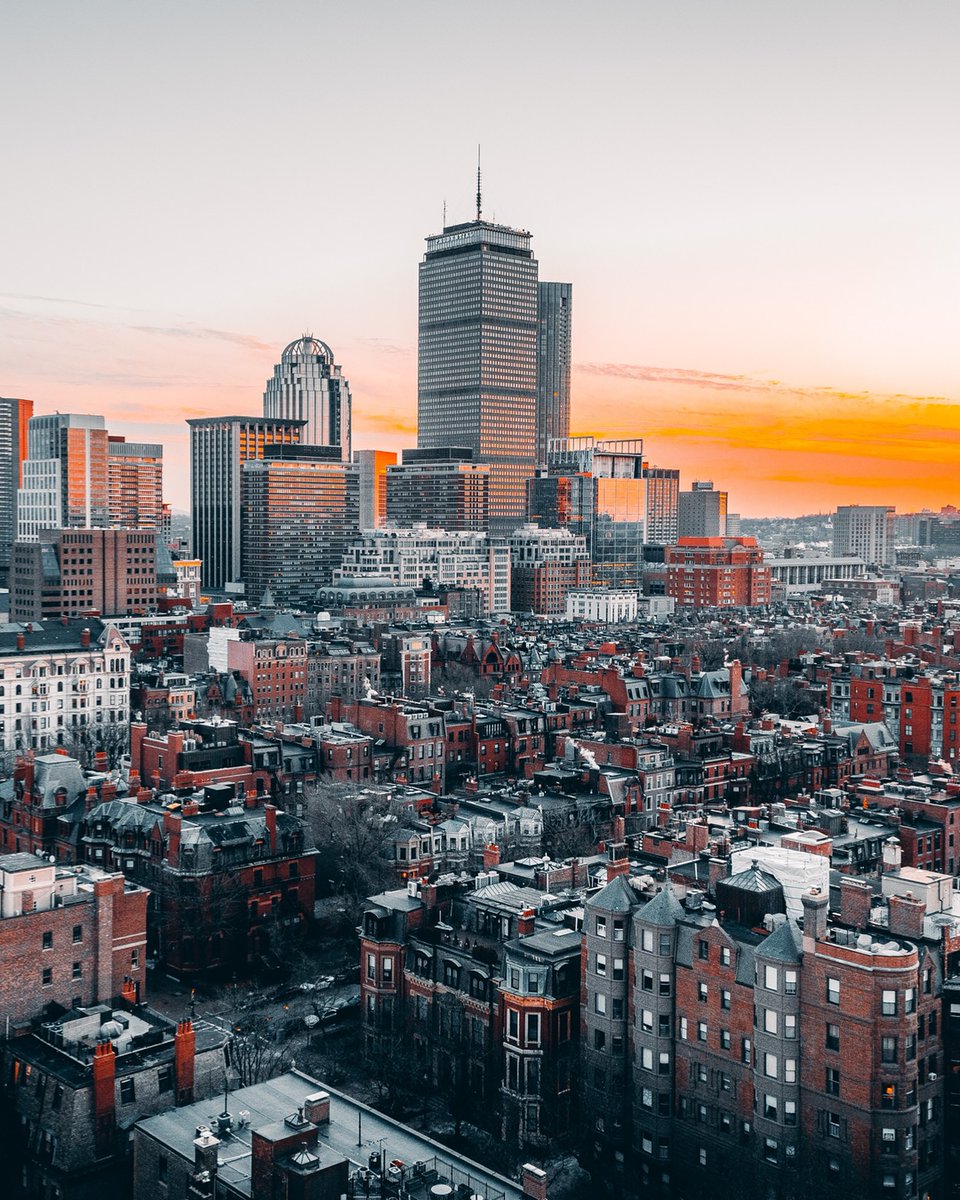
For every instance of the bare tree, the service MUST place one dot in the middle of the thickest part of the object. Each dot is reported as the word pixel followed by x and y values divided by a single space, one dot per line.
pixel 254 1052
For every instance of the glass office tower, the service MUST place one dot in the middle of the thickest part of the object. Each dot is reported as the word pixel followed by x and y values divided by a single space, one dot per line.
pixel 554 319
pixel 477 385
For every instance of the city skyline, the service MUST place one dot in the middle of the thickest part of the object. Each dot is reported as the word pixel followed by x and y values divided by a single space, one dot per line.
pixel 771 304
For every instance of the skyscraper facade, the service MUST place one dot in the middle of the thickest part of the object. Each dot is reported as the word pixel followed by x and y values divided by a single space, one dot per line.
pixel 14 417
pixel 373 465
pixel 64 475
pixel 867 531
pixel 219 446
pixel 307 385
pixel 554 320
pixel 445 489
pixel 477 381
pixel 663 497
pixel 300 511
pixel 703 511
pixel 135 484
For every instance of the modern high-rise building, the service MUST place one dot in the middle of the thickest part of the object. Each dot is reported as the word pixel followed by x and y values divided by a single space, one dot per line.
pixel 663 497
pixel 14 417
pixel 64 475
pixel 300 511
pixel 703 511
pixel 597 489
pixel 135 484
pixel 219 446
pixel 373 466
pixel 307 385
pixel 477 380
pixel 554 321
pixel 445 489
pixel 866 531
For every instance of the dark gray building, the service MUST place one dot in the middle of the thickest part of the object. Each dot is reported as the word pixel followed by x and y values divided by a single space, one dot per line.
pixel 14 417
pixel 702 512
pixel 554 318
pixel 477 367
pixel 219 446
pixel 445 488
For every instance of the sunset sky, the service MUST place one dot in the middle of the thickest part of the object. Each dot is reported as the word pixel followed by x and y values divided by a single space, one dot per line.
pixel 757 204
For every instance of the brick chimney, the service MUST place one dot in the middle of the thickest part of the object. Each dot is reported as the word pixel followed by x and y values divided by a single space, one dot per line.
pixel 85 638
pixel 906 915
pixel 533 1182
pixel 270 821
pixel 205 1147
pixel 316 1108
pixel 526 922
pixel 855 899
pixel 104 1097
pixel 171 827
pixel 184 1060
pixel 815 905
pixel 719 868
pixel 21 642
pixel 491 856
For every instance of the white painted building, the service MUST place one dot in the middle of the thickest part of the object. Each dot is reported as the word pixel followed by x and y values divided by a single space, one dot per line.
pixel 606 606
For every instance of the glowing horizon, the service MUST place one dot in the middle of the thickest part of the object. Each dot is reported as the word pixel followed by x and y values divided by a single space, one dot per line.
pixel 753 205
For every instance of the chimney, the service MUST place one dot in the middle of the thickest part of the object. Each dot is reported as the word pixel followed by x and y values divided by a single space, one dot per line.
pixel 892 856
pixel 855 899
pixel 906 915
pixel 316 1108
pixel 719 868
pixel 826 726
pixel 171 827
pixel 491 856
pixel 533 1182
pixel 104 1101
pixel 85 638
pixel 815 905
pixel 21 642
pixel 526 922
pixel 270 820
pixel 184 1051
pixel 205 1147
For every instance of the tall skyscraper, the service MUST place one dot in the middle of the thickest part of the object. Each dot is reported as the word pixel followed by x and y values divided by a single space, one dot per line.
pixel 135 484
pixel 219 446
pixel 477 384
pixel 663 496
pixel 300 511
pixel 64 475
pixel 307 385
pixel 554 321
pixel 14 417
pixel 867 531
pixel 445 489
pixel 373 466
pixel 703 511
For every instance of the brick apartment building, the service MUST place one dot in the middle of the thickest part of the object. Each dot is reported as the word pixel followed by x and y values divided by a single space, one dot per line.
pixel 230 880
pixel 69 572
pixel 275 671
pixel 717 572
pixel 69 936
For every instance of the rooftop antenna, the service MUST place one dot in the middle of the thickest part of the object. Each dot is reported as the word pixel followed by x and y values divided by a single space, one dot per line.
pixel 478 181
pixel 444 213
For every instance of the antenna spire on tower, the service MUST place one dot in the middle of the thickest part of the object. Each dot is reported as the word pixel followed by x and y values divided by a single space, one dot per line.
pixel 478 181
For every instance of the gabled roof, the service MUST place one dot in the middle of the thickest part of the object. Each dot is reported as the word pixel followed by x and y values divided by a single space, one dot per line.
pixel 617 896
pixel 664 909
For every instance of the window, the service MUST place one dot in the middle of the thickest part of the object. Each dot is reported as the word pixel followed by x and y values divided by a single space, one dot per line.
pixel 790 1026
pixel 646 1058
pixel 599 1040
pixel 666 945
pixel 77 972
pixel 910 1000
pixel 771 978
pixel 665 985
pixel 683 1029
pixel 47 939
pixel 601 927
pixel 128 1091
pixel 702 991
pixel 833 1124
pixel 165 1079
pixel 513 1025
pixel 789 1070
pixel 46 977
pixel 832 1083
pixel 703 950
pixel 888 1049
pixel 371 966
pixel 745 1054
pixel 833 991
pixel 770 1108
pixel 771 1066
pixel 646 981
pixel 701 1031
pixel 663 1066
pixel 618 931
pixel 601 964
pixel 833 1037
pixel 388 970
pixel 888 1003
pixel 790 981
pixel 770 1020
pixel 725 955
pixel 646 940
pixel 725 1000
pixel 533 1029
pixel 77 934
pixel 888 1095
pixel 600 1003
pixel 725 1039
pixel 618 968
pixel 789 1112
